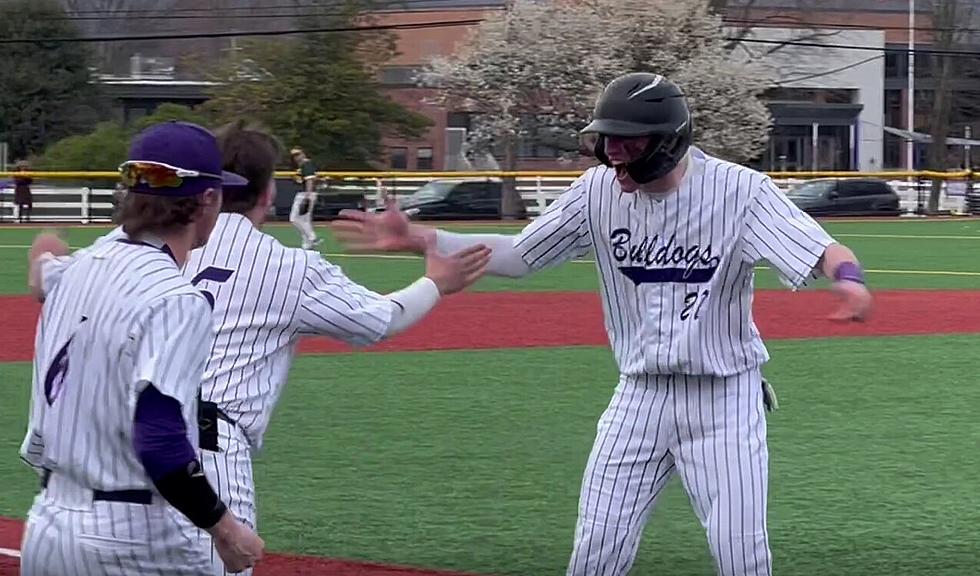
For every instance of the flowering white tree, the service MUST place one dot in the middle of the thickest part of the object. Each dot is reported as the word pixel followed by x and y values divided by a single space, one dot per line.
pixel 535 70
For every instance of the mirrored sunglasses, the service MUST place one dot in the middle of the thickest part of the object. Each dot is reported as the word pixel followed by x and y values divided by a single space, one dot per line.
pixel 157 174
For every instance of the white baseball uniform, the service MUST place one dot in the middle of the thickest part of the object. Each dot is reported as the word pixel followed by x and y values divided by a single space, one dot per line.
pixel 266 296
pixel 117 318
pixel 676 275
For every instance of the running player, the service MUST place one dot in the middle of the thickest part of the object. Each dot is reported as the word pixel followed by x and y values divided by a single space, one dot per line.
pixel 676 234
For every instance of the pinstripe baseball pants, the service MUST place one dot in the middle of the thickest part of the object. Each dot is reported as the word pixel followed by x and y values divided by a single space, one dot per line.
pixel 712 432
pixel 230 473
pixel 69 534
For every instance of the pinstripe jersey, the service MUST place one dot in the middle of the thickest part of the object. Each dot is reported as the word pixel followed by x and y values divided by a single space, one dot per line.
pixel 120 316
pixel 676 272
pixel 266 296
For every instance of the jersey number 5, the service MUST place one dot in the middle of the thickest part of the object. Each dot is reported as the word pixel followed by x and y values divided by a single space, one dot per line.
pixel 214 274
pixel 693 301
pixel 54 379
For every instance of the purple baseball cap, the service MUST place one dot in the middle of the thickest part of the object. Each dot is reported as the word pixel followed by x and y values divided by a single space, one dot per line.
pixel 185 146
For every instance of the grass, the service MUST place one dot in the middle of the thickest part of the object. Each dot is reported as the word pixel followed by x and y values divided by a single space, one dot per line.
pixel 472 460
pixel 895 252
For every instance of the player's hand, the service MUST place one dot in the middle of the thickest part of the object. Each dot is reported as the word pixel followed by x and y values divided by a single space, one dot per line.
pixel 458 271
pixel 389 231
pixel 48 241
pixel 855 301
pixel 237 544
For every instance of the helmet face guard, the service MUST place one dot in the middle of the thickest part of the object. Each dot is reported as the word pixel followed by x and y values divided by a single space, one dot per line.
pixel 660 156
pixel 643 105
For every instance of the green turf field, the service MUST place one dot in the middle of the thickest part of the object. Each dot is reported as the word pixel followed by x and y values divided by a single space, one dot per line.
pixel 472 460
pixel 903 254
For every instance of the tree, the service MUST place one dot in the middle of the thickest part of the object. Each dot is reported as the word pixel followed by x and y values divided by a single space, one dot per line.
pixel 108 145
pixel 46 91
pixel 318 91
pixel 533 72
pixel 952 18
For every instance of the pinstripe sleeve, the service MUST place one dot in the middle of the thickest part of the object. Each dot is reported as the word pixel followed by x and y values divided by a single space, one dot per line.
pixel 561 232
pixel 53 268
pixel 331 304
pixel 777 231
pixel 172 344
pixel 32 448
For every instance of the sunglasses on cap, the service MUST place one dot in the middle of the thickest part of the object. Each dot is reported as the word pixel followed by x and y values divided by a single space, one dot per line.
pixel 157 174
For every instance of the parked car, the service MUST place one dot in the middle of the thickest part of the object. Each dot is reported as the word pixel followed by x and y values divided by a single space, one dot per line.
pixel 846 197
pixel 457 200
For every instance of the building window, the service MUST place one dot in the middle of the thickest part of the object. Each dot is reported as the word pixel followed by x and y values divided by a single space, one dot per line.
pixel 423 159
pixel 459 120
pixel 895 65
pixel 399 75
pixel 398 158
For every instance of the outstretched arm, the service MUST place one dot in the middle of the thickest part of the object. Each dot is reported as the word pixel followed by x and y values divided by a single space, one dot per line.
pixel 559 234
pixel 331 304
pixel 49 256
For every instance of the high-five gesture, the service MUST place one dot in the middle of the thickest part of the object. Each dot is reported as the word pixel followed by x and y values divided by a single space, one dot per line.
pixel 389 231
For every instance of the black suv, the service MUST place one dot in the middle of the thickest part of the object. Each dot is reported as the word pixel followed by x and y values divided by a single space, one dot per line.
pixel 457 200
pixel 846 197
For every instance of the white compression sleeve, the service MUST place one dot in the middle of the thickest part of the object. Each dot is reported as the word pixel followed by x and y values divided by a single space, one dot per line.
pixel 504 259
pixel 412 303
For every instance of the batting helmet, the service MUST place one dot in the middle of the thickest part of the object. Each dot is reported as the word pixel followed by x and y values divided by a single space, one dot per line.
pixel 643 104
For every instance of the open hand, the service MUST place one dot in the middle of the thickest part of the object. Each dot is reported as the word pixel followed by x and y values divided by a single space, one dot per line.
pixel 855 301
pixel 389 231
pixel 458 271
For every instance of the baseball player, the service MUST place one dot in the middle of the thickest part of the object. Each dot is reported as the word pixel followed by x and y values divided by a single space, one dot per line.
pixel 265 297
pixel 119 352
pixel 301 213
pixel 676 234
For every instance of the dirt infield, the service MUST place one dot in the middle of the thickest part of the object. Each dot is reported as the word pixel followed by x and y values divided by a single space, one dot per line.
pixel 273 565
pixel 545 319
pixel 535 319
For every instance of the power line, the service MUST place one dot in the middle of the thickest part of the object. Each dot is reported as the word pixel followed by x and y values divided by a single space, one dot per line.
pixel 844 25
pixel 934 51
pixel 829 72
pixel 214 13
pixel 407 26
pixel 369 6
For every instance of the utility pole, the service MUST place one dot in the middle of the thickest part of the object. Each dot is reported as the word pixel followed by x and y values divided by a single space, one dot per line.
pixel 910 124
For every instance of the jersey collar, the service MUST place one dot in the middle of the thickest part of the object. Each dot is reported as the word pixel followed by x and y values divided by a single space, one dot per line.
pixel 151 241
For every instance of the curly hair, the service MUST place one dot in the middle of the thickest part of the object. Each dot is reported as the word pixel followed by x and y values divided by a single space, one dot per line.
pixel 142 213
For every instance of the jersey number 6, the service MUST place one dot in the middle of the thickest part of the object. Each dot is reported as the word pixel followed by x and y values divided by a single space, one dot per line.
pixel 54 379
pixel 693 300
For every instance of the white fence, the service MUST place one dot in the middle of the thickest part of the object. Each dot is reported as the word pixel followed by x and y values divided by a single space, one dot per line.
pixel 91 205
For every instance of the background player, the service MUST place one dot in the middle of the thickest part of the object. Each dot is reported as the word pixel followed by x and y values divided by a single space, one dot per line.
pixel 120 348
pixel 676 234
pixel 265 297
pixel 301 213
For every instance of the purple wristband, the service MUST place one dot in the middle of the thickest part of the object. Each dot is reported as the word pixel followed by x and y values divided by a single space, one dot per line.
pixel 849 271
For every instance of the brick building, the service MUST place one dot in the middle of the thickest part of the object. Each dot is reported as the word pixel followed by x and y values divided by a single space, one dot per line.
pixel 834 108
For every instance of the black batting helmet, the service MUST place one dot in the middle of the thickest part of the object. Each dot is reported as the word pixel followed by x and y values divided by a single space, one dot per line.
pixel 643 104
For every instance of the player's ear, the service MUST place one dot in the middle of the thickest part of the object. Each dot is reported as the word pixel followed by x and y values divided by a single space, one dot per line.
pixel 211 197
pixel 268 196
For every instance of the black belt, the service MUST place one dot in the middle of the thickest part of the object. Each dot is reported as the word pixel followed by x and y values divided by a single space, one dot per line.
pixel 128 496
pixel 208 415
